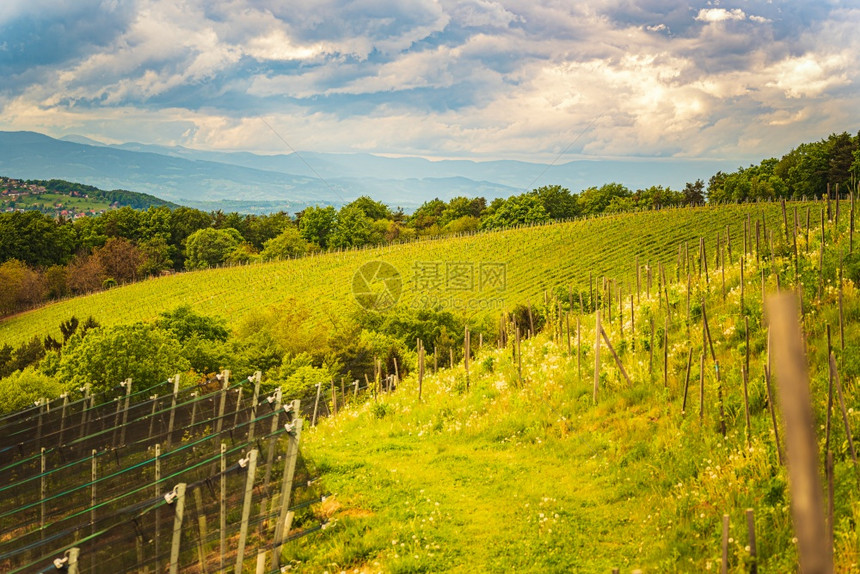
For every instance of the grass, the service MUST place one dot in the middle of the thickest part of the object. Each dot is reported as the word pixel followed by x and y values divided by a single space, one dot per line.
pixel 537 259
pixel 537 478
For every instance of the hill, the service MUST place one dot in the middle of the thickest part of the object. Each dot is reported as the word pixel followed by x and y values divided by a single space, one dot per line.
pixel 67 199
pixel 524 458
pixel 535 260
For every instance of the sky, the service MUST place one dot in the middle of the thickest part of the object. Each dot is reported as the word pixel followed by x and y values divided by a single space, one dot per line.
pixel 534 80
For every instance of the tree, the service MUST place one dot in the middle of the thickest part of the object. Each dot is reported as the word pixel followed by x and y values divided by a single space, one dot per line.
pixel 262 228
pixel 374 210
pixel 183 222
pixel 289 243
pixel 428 214
pixel 55 281
pixel 124 222
pixel 210 247
pixel 183 322
pixel 460 207
pixel 558 202
pixel 34 239
pixel 156 254
pixel 119 259
pixel 317 224
pixel 694 193
pixel 106 356
pixel 596 199
pixel 84 274
pixel 23 388
pixel 20 287
pixel 516 210
pixel 353 228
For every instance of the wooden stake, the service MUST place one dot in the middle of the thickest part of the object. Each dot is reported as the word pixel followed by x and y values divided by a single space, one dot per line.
pixel 222 515
pixel 687 380
pixel 724 565
pixel 844 413
pixel 578 349
pixel 317 404
pixel 806 504
pixel 746 374
pixel 666 353
pixel 282 529
pixel 615 356
pixel 597 330
pixel 751 542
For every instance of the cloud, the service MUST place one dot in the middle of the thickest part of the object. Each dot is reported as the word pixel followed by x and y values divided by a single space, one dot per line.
pixel 720 15
pixel 479 78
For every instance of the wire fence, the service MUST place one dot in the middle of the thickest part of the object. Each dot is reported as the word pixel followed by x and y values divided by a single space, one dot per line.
pixel 196 479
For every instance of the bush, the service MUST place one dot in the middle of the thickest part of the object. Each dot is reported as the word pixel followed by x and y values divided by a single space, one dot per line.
pixel 22 388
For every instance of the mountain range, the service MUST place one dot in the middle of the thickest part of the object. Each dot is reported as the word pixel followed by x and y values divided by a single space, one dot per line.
pixel 248 182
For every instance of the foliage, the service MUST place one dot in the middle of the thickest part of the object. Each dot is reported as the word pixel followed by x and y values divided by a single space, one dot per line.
pixel 108 355
pixel 184 323
pixel 516 210
pixel 210 247
pixel 23 388
pixel 316 224
pixel 289 243
pixel 353 228
pixel 20 286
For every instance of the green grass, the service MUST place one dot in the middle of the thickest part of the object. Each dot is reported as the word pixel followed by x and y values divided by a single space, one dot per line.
pixel 539 479
pixel 537 259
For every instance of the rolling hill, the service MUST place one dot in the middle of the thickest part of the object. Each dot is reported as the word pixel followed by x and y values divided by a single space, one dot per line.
pixel 536 259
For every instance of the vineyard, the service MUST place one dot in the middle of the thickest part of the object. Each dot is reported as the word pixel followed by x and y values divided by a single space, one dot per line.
pixel 672 385
pixel 673 427
pixel 203 477
pixel 535 259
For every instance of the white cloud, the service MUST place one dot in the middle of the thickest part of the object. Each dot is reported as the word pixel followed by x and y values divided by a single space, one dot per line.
pixel 720 15
pixel 485 79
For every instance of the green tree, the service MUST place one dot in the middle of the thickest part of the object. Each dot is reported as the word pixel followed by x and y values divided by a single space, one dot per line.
pixel 428 214
pixel 35 239
pixel 558 202
pixel 516 210
pixel 109 355
pixel 353 228
pixel 157 255
pixel 317 224
pixel 694 193
pixel 289 243
pixel 183 322
pixel 184 221
pixel 210 247
pixel 23 388
pixel 374 210
pixel 596 199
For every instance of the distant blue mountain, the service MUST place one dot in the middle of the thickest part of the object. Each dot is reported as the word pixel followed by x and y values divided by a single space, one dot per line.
pixel 292 181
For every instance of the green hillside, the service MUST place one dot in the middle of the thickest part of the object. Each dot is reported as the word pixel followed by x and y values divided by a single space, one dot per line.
pixel 536 259
pixel 57 197
pixel 497 472
pixel 515 465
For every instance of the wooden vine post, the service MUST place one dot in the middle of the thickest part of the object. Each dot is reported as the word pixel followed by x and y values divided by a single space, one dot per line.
pixel 597 329
pixel 807 507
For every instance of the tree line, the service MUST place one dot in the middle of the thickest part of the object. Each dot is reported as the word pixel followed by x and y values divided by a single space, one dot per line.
pixel 42 258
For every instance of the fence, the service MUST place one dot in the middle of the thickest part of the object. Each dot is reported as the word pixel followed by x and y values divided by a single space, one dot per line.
pixel 204 478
